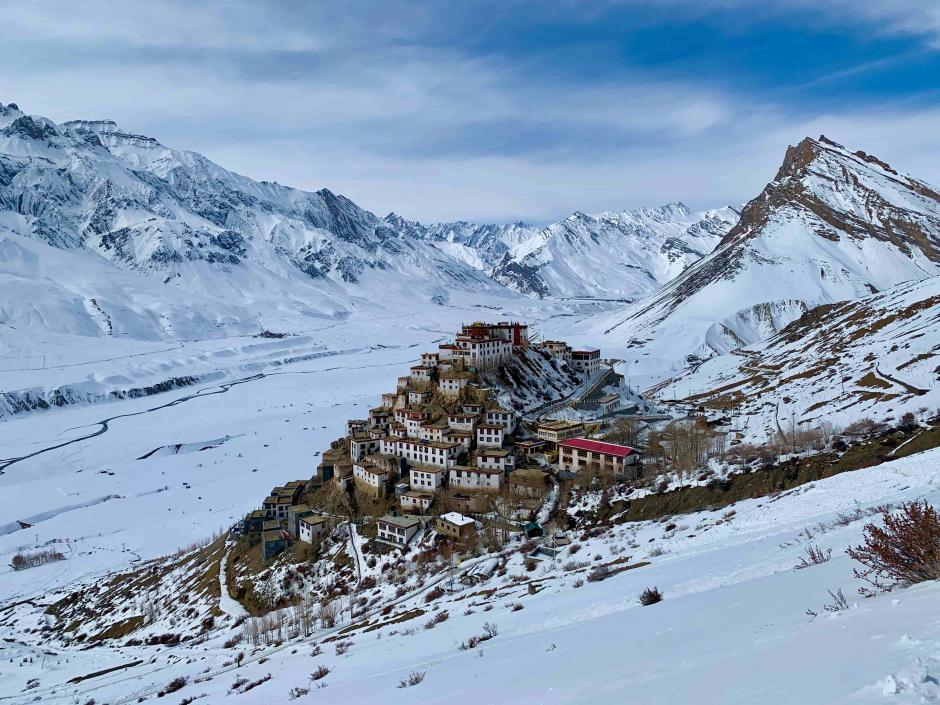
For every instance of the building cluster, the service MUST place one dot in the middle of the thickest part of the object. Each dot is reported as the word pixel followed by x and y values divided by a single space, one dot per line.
pixel 441 430
pixel 284 517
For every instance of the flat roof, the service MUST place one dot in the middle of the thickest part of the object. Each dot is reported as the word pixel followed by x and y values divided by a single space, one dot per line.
pixel 457 519
pixel 313 520
pixel 618 451
pixel 402 522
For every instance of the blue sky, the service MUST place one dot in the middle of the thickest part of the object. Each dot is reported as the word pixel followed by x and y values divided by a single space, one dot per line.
pixel 493 110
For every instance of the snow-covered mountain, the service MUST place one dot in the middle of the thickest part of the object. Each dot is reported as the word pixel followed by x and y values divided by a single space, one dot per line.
pixel 140 231
pixel 185 223
pixel 833 225
pixel 627 254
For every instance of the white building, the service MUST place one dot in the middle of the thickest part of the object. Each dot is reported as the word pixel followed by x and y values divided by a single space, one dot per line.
pixel 586 360
pixel 312 528
pixel 557 348
pixel 467 478
pixel 413 450
pixel 416 501
pixel 371 475
pixel 463 422
pixel 502 417
pixel 430 359
pixel 433 432
pixel 361 446
pixel 417 397
pixel 452 384
pixel 397 530
pixel 482 353
pixel 490 435
pixel 501 459
pixel 464 438
pixel 427 478
pixel 421 373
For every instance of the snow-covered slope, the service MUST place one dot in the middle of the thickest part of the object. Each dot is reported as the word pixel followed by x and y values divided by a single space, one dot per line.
pixel 623 255
pixel 875 357
pixel 832 226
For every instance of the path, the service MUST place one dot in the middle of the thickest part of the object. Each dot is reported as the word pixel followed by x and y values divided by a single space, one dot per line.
pixel 227 603
pixel 356 550
pixel 917 391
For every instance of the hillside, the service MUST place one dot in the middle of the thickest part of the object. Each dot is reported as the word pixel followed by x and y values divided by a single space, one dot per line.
pixel 552 633
pixel 873 357
pixel 833 225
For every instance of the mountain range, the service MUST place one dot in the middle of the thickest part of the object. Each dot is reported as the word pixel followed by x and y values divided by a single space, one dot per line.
pixel 140 230
pixel 106 232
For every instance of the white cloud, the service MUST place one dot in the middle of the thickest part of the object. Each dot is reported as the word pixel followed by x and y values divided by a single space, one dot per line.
pixel 424 130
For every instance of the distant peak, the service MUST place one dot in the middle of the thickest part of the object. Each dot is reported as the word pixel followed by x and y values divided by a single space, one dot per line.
pixel 36 129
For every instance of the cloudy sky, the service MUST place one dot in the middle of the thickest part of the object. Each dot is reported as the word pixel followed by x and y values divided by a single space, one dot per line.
pixel 493 111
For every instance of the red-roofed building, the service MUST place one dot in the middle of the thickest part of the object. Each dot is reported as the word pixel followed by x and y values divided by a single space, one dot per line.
pixel 599 457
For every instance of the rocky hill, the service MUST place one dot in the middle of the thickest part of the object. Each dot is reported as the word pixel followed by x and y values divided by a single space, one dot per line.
pixel 833 225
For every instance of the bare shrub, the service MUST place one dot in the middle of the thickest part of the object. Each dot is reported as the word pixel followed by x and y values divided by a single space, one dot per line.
pixel 414 679
pixel 599 573
pixel 297 692
pixel 329 612
pixel 438 617
pixel 177 683
pixel 906 550
pixel 319 673
pixel 838 603
pixel 434 594
pixel 814 556
pixel 342 647
pixel 22 561
pixel 489 631
pixel 650 596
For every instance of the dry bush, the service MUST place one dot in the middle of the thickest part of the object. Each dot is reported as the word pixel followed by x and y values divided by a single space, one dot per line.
pixel 434 593
pixel 320 673
pixel 599 573
pixel 814 556
pixel 438 617
pixel 489 631
pixel 176 684
pixel 650 596
pixel 414 679
pixel 904 551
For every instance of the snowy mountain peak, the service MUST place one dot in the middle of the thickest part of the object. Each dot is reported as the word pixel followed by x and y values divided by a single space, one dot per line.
pixel 833 225
pixel 846 194
pixel 624 254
